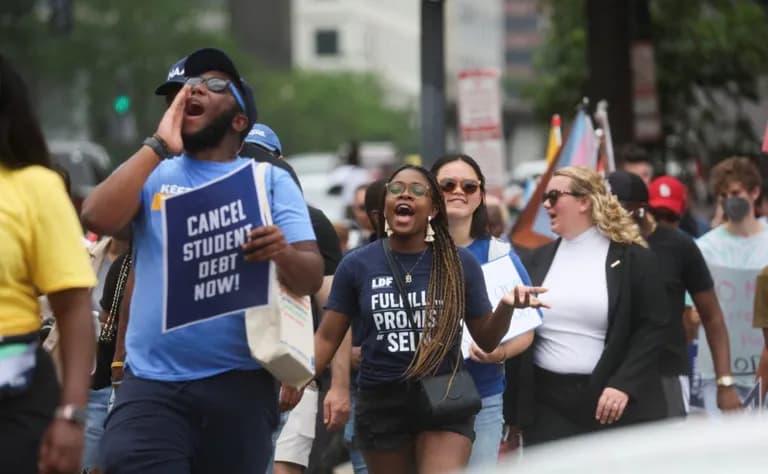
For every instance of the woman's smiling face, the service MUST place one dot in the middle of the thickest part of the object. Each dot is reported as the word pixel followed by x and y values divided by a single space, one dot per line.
pixel 461 189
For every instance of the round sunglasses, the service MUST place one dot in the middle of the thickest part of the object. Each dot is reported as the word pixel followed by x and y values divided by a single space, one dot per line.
pixel 469 186
pixel 397 188
pixel 218 85
pixel 553 195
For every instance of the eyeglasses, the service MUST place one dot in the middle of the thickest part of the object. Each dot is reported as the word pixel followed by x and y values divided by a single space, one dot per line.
pixel 397 188
pixel 553 195
pixel 218 85
pixel 469 186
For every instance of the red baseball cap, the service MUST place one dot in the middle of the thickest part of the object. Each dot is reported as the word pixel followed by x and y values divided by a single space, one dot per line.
pixel 667 192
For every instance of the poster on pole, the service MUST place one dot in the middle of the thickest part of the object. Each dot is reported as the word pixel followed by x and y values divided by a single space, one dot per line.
pixel 205 275
pixel 481 128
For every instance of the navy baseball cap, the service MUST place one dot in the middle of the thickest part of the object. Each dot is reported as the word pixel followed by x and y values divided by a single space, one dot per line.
pixel 212 59
pixel 265 137
pixel 174 80
pixel 628 187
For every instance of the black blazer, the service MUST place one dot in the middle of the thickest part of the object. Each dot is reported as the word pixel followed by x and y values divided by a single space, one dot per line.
pixel 637 322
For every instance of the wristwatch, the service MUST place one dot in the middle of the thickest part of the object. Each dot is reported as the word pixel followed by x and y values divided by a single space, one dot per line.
pixel 726 381
pixel 158 145
pixel 72 413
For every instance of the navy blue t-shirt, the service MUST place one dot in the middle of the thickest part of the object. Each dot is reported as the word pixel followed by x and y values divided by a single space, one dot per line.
pixel 364 290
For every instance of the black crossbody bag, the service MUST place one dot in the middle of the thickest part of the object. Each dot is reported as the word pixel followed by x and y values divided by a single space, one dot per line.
pixel 445 397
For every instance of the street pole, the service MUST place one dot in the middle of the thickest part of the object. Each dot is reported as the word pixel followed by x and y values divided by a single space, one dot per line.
pixel 432 81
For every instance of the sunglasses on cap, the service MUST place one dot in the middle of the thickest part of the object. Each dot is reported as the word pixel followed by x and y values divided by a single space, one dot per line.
pixel 397 188
pixel 554 194
pixel 469 186
pixel 218 85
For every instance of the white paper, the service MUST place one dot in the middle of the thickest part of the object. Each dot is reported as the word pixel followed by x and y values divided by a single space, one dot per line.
pixel 500 278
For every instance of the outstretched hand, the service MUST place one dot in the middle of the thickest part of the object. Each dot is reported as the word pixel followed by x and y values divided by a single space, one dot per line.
pixel 169 128
pixel 525 297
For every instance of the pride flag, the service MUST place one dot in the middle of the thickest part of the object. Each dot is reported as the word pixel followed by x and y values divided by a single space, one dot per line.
pixel 580 149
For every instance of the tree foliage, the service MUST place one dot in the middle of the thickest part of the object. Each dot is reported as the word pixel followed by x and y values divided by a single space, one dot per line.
pixel 710 56
pixel 118 47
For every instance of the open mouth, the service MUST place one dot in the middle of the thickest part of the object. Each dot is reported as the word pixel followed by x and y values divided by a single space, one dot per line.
pixel 404 210
pixel 193 109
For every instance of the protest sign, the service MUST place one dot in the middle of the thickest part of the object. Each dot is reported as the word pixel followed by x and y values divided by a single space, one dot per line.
pixel 735 288
pixel 205 273
pixel 501 277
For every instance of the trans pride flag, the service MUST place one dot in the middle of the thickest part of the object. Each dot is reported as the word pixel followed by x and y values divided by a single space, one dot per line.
pixel 580 149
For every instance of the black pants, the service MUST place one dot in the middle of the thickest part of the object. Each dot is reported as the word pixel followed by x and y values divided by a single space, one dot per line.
pixel 565 406
pixel 24 419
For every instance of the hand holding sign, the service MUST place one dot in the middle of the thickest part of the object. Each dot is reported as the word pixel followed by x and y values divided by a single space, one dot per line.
pixel 525 297
pixel 264 243
pixel 479 355
pixel 169 128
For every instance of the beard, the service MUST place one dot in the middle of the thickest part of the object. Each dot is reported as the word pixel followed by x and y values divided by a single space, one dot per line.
pixel 210 136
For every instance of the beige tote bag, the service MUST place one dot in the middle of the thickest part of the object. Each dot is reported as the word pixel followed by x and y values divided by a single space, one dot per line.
pixel 281 334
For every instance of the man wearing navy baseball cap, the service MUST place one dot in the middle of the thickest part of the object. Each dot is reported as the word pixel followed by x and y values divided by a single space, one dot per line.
pixel 195 399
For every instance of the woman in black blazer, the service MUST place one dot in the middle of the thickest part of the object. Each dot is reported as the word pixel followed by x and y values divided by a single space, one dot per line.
pixel 594 362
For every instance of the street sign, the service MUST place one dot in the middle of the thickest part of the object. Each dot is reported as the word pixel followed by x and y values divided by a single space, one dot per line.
pixel 480 123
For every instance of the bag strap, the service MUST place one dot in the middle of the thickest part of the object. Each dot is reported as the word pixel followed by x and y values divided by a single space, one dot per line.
pixel 261 192
pixel 398 280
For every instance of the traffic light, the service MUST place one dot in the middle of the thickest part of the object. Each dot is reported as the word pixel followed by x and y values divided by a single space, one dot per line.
pixel 122 104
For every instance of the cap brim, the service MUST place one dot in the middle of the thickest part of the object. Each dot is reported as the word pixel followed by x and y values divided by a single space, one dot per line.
pixel 671 204
pixel 168 87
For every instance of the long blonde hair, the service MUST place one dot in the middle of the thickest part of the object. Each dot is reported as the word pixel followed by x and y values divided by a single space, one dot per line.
pixel 611 219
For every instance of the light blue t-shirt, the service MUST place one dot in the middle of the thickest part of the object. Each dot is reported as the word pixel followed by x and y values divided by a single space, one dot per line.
pixel 209 347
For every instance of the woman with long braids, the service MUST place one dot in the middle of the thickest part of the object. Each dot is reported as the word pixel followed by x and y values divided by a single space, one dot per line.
pixel 463 186
pixel 595 360
pixel 445 287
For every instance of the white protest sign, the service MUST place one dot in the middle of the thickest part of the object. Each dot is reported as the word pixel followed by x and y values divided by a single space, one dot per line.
pixel 501 277
pixel 735 288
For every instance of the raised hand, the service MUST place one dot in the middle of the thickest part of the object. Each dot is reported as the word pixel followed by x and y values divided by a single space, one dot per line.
pixel 169 128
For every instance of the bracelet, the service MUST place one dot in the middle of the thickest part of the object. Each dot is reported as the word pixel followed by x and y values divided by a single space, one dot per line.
pixel 117 364
pixel 159 146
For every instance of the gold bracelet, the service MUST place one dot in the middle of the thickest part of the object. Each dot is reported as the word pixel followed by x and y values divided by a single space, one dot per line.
pixel 117 364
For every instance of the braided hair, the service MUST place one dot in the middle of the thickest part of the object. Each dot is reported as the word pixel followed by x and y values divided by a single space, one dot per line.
pixel 445 291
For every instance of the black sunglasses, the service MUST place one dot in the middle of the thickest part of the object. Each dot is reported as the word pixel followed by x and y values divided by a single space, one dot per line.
pixel 218 85
pixel 397 188
pixel 554 194
pixel 469 186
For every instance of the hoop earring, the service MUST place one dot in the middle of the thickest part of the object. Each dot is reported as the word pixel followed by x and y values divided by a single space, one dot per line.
pixel 387 229
pixel 430 237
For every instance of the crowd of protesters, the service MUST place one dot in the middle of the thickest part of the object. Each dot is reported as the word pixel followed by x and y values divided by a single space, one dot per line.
pixel 620 292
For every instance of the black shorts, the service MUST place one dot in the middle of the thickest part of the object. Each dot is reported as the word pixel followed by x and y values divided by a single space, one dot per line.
pixel 387 417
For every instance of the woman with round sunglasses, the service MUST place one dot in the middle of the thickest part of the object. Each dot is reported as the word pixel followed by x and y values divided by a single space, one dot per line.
pixel 463 186
pixel 445 288
pixel 595 359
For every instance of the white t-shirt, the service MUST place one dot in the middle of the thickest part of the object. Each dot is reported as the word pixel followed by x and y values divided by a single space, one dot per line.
pixel 724 249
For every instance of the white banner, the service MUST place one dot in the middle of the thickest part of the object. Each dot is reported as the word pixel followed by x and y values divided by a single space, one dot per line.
pixel 735 288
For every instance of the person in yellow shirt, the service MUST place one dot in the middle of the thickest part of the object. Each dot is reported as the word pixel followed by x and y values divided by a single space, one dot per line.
pixel 760 321
pixel 40 253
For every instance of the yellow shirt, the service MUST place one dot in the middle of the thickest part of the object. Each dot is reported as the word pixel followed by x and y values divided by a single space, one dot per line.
pixel 761 300
pixel 41 248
